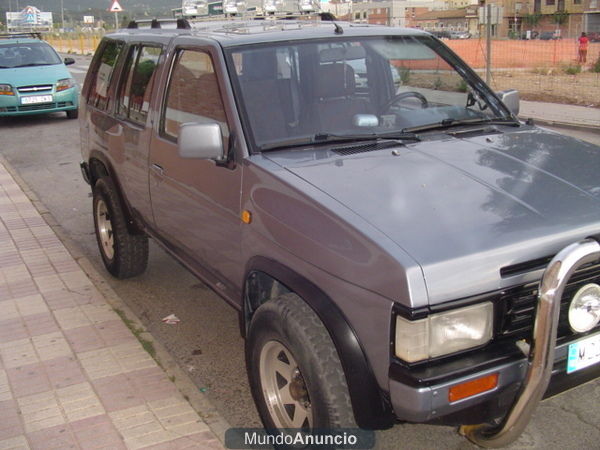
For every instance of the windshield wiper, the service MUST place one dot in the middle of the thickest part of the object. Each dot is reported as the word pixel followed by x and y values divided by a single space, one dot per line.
pixel 447 123
pixel 33 64
pixel 330 138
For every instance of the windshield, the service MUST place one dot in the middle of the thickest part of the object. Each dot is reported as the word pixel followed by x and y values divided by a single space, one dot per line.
pixel 292 92
pixel 25 54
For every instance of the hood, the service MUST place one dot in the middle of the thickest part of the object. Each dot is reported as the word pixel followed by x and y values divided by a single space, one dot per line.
pixel 26 76
pixel 465 208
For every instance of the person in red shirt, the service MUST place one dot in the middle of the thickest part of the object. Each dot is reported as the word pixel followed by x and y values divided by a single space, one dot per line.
pixel 583 48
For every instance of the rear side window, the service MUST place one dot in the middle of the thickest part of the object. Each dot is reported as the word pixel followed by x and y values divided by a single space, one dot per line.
pixel 102 72
pixel 134 95
pixel 193 94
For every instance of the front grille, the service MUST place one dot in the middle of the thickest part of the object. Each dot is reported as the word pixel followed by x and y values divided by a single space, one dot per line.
pixel 34 89
pixel 520 304
pixel 37 107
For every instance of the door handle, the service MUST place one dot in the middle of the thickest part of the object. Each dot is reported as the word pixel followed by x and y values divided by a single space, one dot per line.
pixel 158 169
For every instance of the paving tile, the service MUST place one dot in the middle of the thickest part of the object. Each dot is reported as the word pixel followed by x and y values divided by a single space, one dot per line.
pixel 140 428
pixel 22 288
pixel 152 384
pixel 99 312
pixel 76 279
pixel 205 440
pixel 176 414
pixel 10 422
pixel 114 332
pixel 5 393
pixel 49 283
pixel 4 292
pixel 18 353
pixel 40 411
pixel 84 339
pixel 132 356
pixel 9 310
pixel 69 318
pixel 9 259
pixel 38 324
pixel 117 392
pixel 65 266
pixel 79 401
pixel 16 273
pixel 33 304
pixel 51 345
pixel 58 437
pixel 64 371
pixel 59 300
pixel 114 360
pixel 12 330
pixel 97 432
pixel 15 443
pixel 28 380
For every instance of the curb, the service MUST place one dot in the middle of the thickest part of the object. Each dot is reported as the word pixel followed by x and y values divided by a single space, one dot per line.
pixel 565 125
pixel 205 410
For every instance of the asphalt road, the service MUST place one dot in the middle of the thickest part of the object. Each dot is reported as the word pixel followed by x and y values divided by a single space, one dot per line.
pixel 206 343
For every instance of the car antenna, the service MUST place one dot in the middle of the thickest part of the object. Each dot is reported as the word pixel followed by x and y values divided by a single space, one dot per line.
pixel 327 16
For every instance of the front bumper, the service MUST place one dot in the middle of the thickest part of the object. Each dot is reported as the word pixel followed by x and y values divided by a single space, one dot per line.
pixel 10 105
pixel 423 397
pixel 524 377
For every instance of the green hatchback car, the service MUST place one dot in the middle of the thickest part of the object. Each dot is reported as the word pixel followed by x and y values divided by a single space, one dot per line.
pixel 34 79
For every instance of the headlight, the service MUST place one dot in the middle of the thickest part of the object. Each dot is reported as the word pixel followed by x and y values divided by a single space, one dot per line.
pixel 6 89
pixel 64 84
pixel 444 333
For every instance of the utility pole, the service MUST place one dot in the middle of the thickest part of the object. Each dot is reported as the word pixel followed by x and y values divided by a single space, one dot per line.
pixel 62 15
pixel 488 43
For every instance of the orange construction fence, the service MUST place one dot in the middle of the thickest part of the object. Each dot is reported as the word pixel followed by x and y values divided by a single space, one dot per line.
pixel 522 54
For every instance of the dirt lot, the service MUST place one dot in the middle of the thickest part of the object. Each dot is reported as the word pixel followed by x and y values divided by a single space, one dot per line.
pixel 552 86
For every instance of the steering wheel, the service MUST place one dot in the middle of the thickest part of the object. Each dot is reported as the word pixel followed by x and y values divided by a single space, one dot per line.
pixel 403 95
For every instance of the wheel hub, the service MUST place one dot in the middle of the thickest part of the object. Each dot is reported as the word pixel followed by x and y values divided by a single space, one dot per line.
pixel 284 388
pixel 298 388
pixel 105 231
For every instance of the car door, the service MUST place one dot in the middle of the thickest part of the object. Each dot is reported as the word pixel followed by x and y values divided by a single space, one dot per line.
pixel 196 203
pixel 130 134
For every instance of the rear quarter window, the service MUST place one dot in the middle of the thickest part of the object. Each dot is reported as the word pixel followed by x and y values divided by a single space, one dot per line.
pixel 101 73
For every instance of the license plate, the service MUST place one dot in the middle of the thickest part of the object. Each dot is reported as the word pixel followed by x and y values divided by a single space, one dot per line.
pixel 584 353
pixel 36 99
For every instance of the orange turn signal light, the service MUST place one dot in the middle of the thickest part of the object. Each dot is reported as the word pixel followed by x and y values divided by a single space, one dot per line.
pixel 473 387
pixel 246 216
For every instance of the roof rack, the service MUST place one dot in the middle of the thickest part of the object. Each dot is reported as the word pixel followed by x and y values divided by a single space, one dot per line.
pixel 18 34
pixel 182 24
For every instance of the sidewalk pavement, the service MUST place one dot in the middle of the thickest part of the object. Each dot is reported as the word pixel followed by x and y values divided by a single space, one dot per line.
pixel 583 117
pixel 72 375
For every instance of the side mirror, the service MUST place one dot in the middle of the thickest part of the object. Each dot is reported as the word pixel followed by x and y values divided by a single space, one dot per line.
pixel 69 61
pixel 510 98
pixel 201 141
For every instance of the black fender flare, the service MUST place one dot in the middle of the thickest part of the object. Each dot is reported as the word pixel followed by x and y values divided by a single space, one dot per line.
pixel 371 405
pixel 133 223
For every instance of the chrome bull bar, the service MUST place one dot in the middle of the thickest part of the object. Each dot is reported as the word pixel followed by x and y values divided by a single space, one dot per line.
pixel 541 353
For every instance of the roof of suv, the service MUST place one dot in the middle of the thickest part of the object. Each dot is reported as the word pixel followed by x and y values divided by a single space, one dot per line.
pixel 240 31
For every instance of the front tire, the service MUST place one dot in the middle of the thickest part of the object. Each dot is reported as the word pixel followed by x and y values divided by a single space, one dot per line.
pixel 72 113
pixel 295 372
pixel 124 254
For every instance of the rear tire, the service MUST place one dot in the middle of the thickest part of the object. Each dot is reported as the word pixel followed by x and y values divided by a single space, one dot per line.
pixel 124 254
pixel 295 372
pixel 72 113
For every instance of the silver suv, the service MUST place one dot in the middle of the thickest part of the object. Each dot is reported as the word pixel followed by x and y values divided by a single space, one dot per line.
pixel 399 248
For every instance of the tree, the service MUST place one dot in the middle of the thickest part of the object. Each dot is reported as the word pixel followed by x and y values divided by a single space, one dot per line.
pixel 560 17
pixel 532 19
